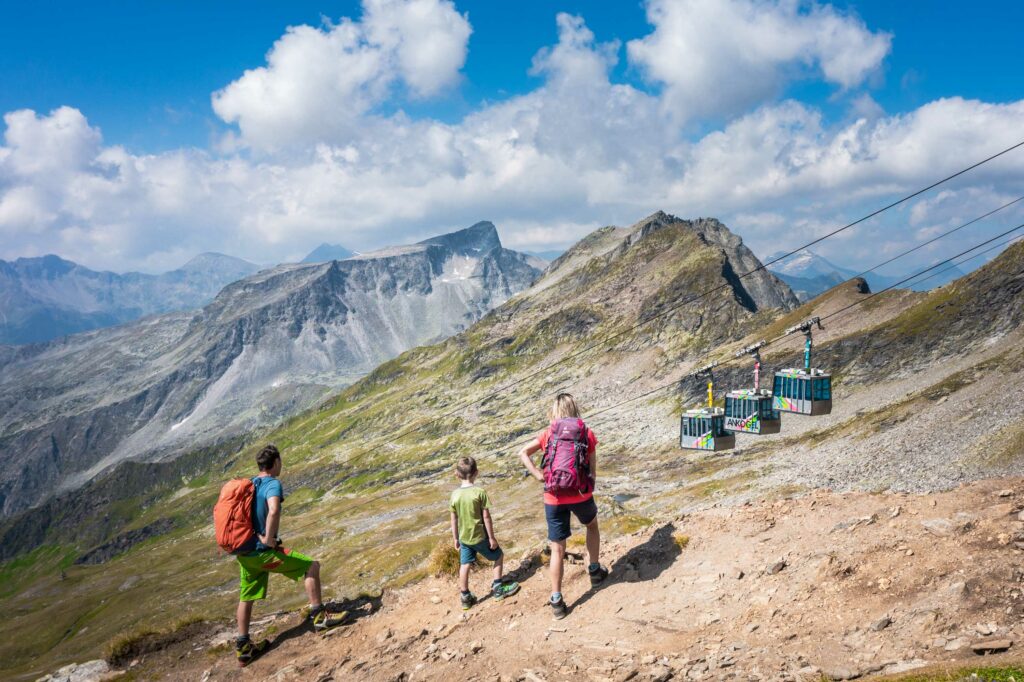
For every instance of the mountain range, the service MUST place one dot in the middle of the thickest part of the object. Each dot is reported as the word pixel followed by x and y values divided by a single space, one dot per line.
pixel 810 274
pixel 619 320
pixel 48 297
pixel 267 346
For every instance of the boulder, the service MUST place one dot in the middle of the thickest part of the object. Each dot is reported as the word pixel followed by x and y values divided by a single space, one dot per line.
pixel 91 671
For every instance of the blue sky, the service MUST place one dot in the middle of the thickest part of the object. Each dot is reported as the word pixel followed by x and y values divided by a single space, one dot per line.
pixel 139 78
pixel 143 72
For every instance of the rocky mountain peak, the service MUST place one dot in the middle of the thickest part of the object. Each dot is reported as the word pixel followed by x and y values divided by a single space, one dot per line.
pixel 328 252
pixel 48 266
pixel 218 262
pixel 476 239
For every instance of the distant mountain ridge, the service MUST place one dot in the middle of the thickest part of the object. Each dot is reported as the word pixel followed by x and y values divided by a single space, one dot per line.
pixel 267 346
pixel 48 297
pixel 810 274
pixel 328 252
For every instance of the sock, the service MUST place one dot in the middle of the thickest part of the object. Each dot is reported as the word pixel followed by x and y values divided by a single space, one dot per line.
pixel 495 583
pixel 313 610
pixel 556 597
pixel 240 640
pixel 593 567
pixel 465 593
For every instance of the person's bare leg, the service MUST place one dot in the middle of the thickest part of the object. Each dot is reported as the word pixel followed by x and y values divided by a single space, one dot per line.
pixel 464 577
pixel 593 541
pixel 313 584
pixel 557 558
pixel 244 614
pixel 498 568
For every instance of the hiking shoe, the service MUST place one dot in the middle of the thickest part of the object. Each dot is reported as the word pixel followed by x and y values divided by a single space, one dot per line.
pixel 323 620
pixel 502 590
pixel 558 609
pixel 597 575
pixel 248 651
pixel 468 601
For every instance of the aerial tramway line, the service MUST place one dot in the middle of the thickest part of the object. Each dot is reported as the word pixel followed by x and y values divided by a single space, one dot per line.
pixel 806 391
pixel 751 410
pixel 369 449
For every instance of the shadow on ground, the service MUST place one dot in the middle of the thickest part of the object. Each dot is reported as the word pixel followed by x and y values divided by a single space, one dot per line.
pixel 642 563
pixel 354 609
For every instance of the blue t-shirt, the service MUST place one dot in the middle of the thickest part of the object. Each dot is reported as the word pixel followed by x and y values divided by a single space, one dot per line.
pixel 266 487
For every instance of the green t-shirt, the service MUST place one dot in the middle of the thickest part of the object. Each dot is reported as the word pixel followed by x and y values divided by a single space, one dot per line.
pixel 469 503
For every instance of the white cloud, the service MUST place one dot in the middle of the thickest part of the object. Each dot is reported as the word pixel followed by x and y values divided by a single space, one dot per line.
pixel 720 57
pixel 577 152
pixel 319 83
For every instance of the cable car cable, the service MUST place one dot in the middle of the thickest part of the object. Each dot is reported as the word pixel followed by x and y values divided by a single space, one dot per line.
pixel 937 238
pixel 763 266
pixel 939 264
pixel 965 260
pixel 781 336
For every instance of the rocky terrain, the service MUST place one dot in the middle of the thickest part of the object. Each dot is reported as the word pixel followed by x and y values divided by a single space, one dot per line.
pixel 823 586
pixel 267 346
pixel 49 297
pixel 920 408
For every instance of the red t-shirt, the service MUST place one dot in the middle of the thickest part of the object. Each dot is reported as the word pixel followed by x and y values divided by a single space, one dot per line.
pixel 567 498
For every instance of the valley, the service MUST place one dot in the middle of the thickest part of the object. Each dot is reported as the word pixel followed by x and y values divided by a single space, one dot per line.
pixel 918 416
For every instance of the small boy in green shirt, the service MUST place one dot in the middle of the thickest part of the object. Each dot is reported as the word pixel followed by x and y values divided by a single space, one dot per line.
pixel 473 533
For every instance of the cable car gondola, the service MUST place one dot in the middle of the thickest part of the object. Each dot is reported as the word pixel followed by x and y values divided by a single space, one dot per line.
pixel 704 427
pixel 752 411
pixel 803 391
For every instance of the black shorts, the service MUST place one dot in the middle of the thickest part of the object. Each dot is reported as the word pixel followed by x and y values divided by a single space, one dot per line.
pixel 558 517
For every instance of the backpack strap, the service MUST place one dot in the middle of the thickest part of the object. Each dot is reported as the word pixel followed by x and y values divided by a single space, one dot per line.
pixel 547 459
pixel 583 456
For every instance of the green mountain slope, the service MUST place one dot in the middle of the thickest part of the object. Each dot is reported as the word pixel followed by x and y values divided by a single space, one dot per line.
pixel 371 505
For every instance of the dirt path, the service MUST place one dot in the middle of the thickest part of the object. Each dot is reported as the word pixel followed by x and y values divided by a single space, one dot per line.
pixel 843 584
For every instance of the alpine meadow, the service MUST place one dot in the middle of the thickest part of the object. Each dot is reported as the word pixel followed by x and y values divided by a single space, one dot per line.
pixel 401 340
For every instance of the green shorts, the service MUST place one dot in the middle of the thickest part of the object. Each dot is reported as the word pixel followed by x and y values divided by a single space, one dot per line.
pixel 257 567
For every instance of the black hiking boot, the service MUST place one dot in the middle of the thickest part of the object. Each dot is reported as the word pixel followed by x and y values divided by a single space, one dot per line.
pixel 468 601
pixel 597 575
pixel 558 609
pixel 248 651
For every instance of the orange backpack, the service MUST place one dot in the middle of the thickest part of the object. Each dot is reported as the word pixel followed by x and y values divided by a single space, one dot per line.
pixel 232 515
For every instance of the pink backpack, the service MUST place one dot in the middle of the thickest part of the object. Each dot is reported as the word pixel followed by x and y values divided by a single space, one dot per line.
pixel 566 463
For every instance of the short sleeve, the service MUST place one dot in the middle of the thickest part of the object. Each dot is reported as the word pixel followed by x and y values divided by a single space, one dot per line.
pixel 274 489
pixel 485 502
pixel 542 439
pixel 592 439
pixel 451 504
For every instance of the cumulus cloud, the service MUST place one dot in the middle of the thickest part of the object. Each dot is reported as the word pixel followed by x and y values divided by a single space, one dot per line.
pixel 719 57
pixel 579 151
pixel 319 83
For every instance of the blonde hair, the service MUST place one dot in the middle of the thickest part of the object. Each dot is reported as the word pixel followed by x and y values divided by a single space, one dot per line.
pixel 564 407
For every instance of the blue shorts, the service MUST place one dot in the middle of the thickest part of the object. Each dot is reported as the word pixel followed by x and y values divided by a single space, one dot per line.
pixel 558 517
pixel 467 553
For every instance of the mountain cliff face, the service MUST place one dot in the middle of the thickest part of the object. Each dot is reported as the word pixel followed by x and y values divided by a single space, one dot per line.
pixel 267 346
pixel 49 297
pixel 370 506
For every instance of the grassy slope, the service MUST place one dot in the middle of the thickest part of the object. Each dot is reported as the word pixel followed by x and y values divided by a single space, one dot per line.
pixel 338 454
pixel 327 470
